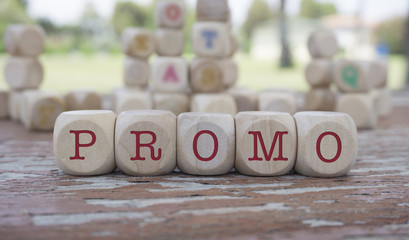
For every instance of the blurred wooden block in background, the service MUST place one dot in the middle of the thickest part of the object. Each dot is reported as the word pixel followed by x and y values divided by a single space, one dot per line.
pixel 266 143
pixel 83 99
pixel 211 40
pixel 170 74
pixel 327 144
pixel 23 73
pixel 245 98
pixel 145 142
pixel 39 109
pixel 319 72
pixel 207 75
pixel 322 44
pixel 379 74
pixel 213 103
pixel 170 14
pixel 131 99
pixel 275 101
pixel 383 101
pixel 169 42
pixel 361 107
pixel 175 102
pixel 138 42
pixel 24 40
pixel 136 72
pixel 231 72
pixel 354 76
pixel 4 104
pixel 320 99
pixel 15 99
pixel 212 10
pixel 84 142
pixel 205 143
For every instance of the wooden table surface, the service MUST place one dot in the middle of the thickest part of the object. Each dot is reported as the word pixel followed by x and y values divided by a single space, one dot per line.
pixel 38 201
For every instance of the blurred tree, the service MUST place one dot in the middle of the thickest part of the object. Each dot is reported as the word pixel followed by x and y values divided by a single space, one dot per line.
pixel 285 59
pixel 392 33
pixel 315 9
pixel 128 14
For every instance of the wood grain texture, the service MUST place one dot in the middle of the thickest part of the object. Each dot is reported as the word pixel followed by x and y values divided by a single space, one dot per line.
pixel 169 42
pixel 38 201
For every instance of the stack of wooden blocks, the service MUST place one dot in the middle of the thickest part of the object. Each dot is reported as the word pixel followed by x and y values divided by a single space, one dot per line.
pixel 23 71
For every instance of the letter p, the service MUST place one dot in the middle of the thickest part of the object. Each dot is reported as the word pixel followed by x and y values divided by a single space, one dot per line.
pixel 78 144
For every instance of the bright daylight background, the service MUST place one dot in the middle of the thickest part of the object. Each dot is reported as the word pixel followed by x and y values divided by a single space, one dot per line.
pixel 83 51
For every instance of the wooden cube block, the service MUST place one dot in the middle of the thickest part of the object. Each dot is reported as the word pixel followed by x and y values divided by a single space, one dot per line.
pixel 15 99
pixel 319 72
pixel 24 40
pixel 207 75
pixel 246 99
pixel 213 103
pixel 169 14
pixel 169 42
pixel 170 74
pixel 39 109
pixel 205 143
pixel 138 42
pixel 84 142
pixel 145 142
pixel 231 72
pixel 211 39
pixel 353 76
pixel 136 72
pixel 322 44
pixel 277 102
pixel 132 99
pixel 23 73
pixel 4 104
pixel 320 99
pixel 212 10
pixel 379 70
pixel 266 143
pixel 83 99
pixel 383 101
pixel 175 102
pixel 327 144
pixel 233 45
pixel 361 107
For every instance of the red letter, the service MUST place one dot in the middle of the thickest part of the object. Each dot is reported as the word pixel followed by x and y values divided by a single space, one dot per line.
pixel 78 145
pixel 170 75
pixel 173 12
pixel 257 135
pixel 339 147
pixel 215 149
pixel 148 145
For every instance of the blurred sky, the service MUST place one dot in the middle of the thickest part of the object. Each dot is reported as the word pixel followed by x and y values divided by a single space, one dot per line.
pixel 68 11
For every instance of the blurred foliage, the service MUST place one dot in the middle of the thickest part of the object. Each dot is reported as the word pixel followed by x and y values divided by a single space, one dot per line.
pixel 392 33
pixel 315 9
pixel 131 14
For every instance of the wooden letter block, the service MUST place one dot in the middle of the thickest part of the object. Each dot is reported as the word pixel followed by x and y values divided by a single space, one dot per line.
pixel 136 72
pixel 266 143
pixel 379 70
pixel 207 75
pixel 212 10
pixel 175 102
pixel 277 102
pixel 84 142
pixel 327 144
pixel 4 104
pixel 15 99
pixel 320 99
pixel 211 39
pixel 83 99
pixel 23 73
pixel 40 109
pixel 170 14
pixel 145 142
pixel 322 44
pixel 24 40
pixel 246 99
pixel 231 72
pixel 353 76
pixel 169 42
pixel 383 101
pixel 233 45
pixel 170 74
pixel 138 42
pixel 213 103
pixel 205 143
pixel 132 99
pixel 319 72
pixel 361 107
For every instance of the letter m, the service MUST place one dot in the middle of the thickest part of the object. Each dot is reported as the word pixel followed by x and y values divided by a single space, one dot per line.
pixel 258 137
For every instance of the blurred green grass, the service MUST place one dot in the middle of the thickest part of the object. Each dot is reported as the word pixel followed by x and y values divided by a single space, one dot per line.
pixel 104 73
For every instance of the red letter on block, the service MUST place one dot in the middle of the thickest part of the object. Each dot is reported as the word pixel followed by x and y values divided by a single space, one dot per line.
pixel 78 144
pixel 215 142
pixel 173 12
pixel 257 135
pixel 339 147
pixel 148 145
pixel 170 75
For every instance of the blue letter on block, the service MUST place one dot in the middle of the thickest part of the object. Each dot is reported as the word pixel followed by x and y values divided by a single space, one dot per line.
pixel 209 35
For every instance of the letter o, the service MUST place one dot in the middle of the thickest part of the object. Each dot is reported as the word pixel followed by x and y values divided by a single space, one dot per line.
pixel 339 147
pixel 215 149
